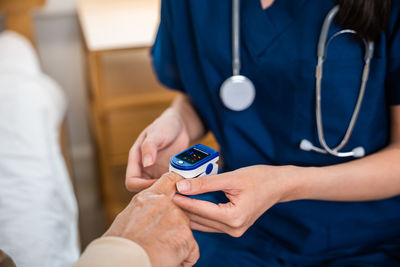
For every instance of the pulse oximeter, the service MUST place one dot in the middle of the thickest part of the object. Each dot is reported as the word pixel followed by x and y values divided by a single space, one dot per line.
pixel 196 161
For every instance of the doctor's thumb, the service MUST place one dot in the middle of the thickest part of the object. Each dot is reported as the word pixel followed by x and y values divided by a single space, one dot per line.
pixel 202 185
pixel 149 152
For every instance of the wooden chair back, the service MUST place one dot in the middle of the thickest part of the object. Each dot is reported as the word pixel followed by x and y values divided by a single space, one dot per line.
pixel 18 16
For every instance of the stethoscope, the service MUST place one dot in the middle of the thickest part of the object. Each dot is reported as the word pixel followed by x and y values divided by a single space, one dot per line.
pixel 237 93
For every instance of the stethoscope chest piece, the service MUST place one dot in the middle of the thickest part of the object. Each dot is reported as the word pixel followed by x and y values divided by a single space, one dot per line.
pixel 237 93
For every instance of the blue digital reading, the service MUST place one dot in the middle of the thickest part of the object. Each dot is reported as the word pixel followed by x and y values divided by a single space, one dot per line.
pixel 193 157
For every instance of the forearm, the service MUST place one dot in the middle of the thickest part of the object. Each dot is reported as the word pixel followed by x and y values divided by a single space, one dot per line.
pixel 372 178
pixel 183 107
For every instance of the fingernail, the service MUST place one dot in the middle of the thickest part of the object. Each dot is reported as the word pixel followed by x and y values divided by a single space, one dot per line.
pixel 183 186
pixel 147 161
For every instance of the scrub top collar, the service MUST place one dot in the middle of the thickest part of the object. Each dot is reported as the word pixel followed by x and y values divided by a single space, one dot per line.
pixel 260 27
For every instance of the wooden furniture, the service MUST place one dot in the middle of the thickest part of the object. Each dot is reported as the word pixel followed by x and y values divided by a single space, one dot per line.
pixel 124 95
pixel 18 16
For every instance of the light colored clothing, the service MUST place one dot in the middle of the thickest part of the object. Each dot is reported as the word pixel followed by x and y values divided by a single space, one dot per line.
pixel 113 251
pixel 38 210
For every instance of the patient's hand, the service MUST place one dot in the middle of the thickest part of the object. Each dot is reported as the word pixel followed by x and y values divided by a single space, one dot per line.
pixel 154 222
pixel 149 156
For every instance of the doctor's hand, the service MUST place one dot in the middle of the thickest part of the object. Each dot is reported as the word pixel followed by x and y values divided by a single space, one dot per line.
pixel 155 223
pixel 251 191
pixel 149 156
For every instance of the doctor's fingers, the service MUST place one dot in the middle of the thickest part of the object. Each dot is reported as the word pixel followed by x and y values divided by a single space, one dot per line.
pixel 157 138
pixel 206 225
pixel 223 213
pixel 202 228
pixel 134 168
pixel 136 179
pixel 205 184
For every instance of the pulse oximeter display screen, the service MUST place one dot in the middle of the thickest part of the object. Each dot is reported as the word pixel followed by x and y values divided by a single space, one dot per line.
pixel 193 155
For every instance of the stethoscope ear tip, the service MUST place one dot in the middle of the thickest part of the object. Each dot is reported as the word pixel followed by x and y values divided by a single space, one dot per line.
pixel 358 152
pixel 306 145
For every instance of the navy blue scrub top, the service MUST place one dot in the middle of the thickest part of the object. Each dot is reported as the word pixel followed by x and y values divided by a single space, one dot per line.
pixel 192 54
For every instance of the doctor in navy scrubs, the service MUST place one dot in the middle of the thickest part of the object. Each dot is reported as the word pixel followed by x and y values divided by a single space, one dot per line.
pixel 274 204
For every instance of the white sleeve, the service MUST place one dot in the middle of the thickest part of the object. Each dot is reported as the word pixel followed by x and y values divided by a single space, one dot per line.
pixel 113 251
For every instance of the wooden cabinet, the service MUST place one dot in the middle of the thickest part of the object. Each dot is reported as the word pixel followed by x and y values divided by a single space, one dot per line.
pixel 124 95
pixel 132 99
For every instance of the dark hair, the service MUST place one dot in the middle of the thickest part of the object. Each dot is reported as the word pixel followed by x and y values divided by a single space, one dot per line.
pixel 368 17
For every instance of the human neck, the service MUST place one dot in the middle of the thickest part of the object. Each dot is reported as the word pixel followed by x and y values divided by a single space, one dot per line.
pixel 266 3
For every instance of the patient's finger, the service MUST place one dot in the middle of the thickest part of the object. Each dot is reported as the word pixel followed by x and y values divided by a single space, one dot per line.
pixel 193 256
pixel 136 185
pixel 167 184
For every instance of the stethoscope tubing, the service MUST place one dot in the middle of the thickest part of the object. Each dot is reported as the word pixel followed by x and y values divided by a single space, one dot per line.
pixel 322 54
pixel 236 63
pixel 323 44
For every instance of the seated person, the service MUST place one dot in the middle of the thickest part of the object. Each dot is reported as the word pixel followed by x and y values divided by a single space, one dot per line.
pixel 38 210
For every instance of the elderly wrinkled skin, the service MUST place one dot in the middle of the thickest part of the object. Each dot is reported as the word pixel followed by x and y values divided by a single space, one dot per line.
pixel 154 222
